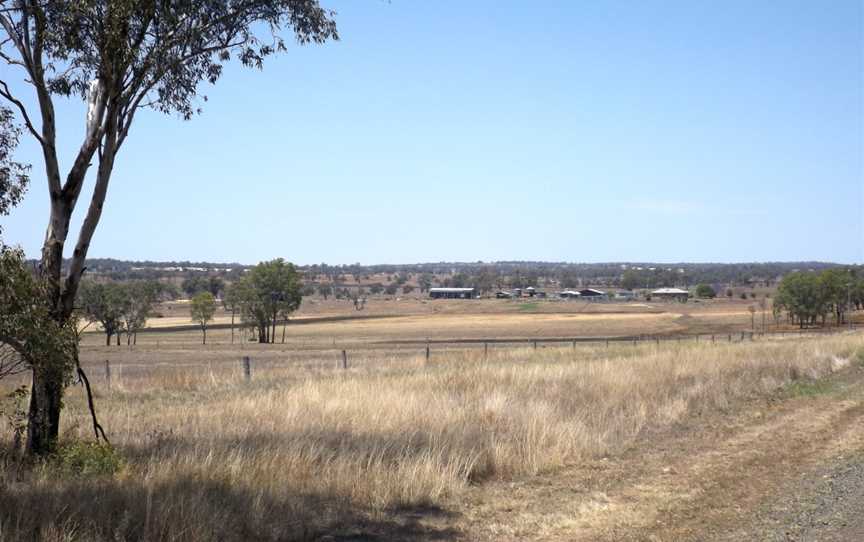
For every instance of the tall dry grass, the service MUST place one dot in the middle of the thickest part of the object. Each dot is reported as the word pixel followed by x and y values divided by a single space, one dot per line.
pixel 302 451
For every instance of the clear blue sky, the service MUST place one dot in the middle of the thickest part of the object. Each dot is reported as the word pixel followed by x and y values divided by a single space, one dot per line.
pixel 503 130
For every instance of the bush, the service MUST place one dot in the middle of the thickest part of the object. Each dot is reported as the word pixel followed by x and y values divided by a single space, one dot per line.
pixel 85 459
pixel 705 290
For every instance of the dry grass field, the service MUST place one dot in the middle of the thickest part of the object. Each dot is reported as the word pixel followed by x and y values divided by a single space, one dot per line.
pixel 335 324
pixel 305 450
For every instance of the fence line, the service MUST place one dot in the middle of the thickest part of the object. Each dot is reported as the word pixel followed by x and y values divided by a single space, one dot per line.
pixel 342 354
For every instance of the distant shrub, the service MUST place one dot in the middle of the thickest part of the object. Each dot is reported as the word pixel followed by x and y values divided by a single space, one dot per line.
pixel 705 291
pixel 79 458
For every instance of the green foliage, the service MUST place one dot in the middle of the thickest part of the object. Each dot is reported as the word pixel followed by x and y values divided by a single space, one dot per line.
pixel 86 459
pixel 809 388
pixel 118 306
pixel 807 297
pixel 425 282
pixel 203 307
pixel 163 50
pixel 705 291
pixel 631 279
pixel 13 175
pixel 16 414
pixel 194 284
pixel 26 325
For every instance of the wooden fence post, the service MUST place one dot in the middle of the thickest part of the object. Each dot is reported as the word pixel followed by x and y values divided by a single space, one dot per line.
pixel 535 344
pixel 485 350
pixel 247 367
pixel 108 373
pixel 427 352
pixel 344 359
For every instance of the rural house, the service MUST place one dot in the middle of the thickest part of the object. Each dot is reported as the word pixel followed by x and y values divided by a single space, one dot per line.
pixel 671 294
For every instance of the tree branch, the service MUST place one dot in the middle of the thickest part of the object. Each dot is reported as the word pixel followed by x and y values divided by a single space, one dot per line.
pixel 97 427
pixel 7 94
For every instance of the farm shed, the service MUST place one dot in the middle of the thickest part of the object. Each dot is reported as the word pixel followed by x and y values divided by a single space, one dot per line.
pixel 568 294
pixel 591 293
pixel 451 293
pixel 671 294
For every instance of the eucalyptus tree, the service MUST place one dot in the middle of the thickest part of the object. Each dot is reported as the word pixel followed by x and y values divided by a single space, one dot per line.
pixel 270 292
pixel 119 57
pixel 202 308
pixel 105 304
pixel 138 298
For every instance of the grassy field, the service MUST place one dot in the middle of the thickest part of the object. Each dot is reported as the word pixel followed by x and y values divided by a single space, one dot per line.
pixel 335 324
pixel 304 449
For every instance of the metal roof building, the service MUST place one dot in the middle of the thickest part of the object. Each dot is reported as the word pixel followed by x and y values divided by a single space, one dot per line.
pixel 451 293
pixel 671 293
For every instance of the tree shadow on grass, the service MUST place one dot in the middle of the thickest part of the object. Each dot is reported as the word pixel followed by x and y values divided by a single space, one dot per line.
pixel 193 509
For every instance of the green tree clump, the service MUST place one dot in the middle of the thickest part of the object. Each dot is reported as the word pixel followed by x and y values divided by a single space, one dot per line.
pixel 705 291
pixel 808 297
pixel 270 292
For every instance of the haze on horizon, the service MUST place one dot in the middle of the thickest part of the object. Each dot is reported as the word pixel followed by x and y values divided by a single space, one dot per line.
pixel 617 131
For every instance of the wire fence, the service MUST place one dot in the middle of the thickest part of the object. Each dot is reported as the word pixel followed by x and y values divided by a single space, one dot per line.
pixel 393 353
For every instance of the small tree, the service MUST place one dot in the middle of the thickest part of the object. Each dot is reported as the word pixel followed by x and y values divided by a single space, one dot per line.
pixel 203 308
pixel 138 298
pixel 705 291
pixel 425 282
pixel 324 290
pixel 103 304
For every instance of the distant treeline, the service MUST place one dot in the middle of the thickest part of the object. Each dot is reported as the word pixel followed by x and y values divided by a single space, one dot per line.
pixel 630 275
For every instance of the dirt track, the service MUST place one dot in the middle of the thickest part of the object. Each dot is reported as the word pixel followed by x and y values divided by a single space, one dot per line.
pixel 790 467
